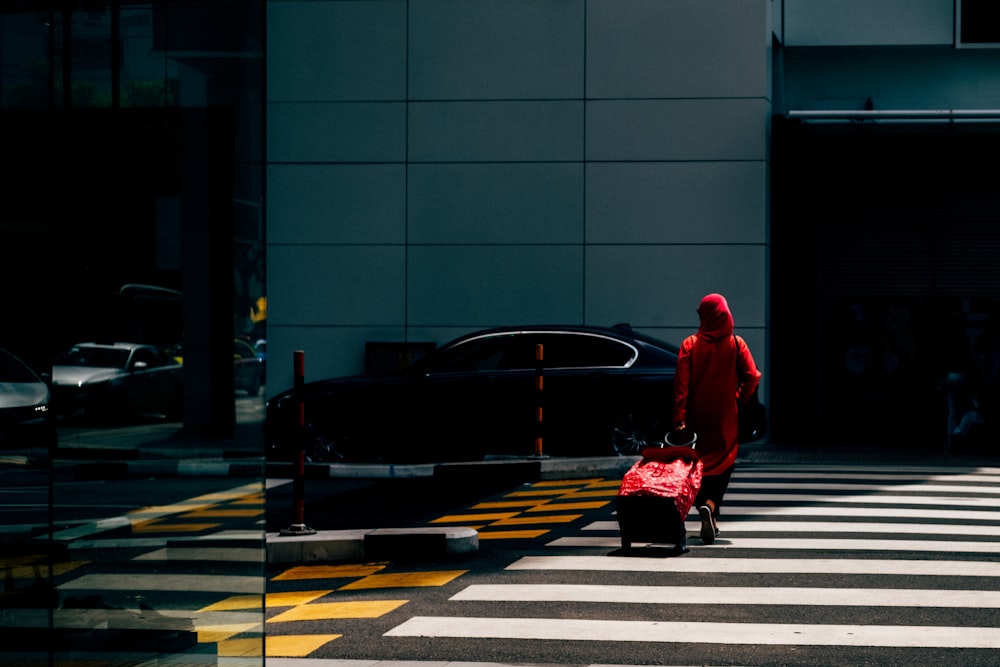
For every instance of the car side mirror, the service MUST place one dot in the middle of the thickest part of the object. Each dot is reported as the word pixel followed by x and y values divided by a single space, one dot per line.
pixel 140 366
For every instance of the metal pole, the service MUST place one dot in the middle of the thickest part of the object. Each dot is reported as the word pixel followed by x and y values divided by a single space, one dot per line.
pixel 299 526
pixel 539 386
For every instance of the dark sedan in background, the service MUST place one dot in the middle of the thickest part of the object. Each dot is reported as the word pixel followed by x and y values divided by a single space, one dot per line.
pixel 604 391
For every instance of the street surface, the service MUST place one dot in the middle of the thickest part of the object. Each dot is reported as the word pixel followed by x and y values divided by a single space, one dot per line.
pixel 816 565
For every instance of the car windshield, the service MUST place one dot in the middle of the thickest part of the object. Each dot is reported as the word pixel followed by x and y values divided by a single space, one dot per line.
pixel 12 370
pixel 94 357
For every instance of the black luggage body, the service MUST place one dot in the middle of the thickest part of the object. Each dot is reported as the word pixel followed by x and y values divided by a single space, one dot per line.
pixel 650 519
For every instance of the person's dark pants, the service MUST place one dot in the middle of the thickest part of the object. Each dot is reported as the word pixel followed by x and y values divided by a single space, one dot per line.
pixel 713 487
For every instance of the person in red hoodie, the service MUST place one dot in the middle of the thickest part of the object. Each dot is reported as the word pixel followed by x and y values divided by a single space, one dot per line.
pixel 715 374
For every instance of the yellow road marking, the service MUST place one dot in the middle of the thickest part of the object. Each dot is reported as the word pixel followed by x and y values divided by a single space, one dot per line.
pixel 294 646
pixel 508 504
pixel 600 493
pixel 568 482
pixel 39 569
pixel 211 634
pixel 557 506
pixel 154 527
pixel 537 492
pixel 404 579
pixel 463 518
pixel 328 571
pixel 161 510
pixel 219 513
pixel 319 611
pixel 512 534
pixel 527 520
pixel 607 484
pixel 284 599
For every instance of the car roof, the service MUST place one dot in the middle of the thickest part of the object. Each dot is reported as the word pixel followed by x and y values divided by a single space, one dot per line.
pixel 118 345
pixel 621 331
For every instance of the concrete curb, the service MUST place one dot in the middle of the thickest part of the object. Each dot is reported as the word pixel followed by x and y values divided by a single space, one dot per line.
pixel 371 544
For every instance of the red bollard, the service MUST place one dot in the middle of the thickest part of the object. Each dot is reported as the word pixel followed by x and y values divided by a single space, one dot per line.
pixel 299 526
pixel 539 385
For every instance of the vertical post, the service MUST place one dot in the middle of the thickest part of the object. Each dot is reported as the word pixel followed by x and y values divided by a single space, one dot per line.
pixel 299 526
pixel 539 386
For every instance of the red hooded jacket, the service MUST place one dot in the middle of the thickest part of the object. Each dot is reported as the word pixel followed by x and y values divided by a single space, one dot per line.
pixel 715 371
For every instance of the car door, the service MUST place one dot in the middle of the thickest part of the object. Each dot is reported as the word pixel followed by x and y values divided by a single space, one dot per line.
pixel 585 384
pixel 473 392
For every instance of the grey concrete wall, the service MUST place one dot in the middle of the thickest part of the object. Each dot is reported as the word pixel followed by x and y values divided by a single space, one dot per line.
pixel 436 166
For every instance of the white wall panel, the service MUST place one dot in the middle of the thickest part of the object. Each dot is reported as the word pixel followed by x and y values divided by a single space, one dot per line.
pixel 336 132
pixel 320 203
pixel 495 284
pixel 337 285
pixel 725 129
pixel 661 285
pixel 676 202
pixel 325 51
pixel 868 22
pixel 495 49
pixel 677 48
pixel 495 203
pixel 495 131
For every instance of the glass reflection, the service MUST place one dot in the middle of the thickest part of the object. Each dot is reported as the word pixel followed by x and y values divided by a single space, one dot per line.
pixel 110 114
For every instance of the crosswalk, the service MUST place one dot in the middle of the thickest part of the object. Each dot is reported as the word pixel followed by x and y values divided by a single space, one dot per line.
pixel 832 556
pixel 810 557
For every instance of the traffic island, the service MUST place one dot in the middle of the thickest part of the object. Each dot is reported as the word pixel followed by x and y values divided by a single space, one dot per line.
pixel 359 545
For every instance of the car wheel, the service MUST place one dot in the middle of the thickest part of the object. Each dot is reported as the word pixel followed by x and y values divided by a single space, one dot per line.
pixel 634 431
pixel 319 448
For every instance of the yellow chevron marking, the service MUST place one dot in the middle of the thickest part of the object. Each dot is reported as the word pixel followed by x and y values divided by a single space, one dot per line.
pixel 404 579
pixel 294 646
pixel 567 482
pixel 162 510
pixel 40 570
pixel 285 599
pixel 508 504
pixel 537 493
pixel 154 527
pixel 220 513
pixel 232 494
pixel 211 634
pixel 512 534
pixel 319 611
pixel 608 483
pixel 529 520
pixel 328 571
pixel 600 493
pixel 464 518
pixel 559 506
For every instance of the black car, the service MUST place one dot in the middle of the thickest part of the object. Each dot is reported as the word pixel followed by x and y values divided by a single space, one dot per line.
pixel 602 391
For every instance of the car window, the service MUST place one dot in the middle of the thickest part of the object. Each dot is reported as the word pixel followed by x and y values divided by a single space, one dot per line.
pixel 95 357
pixel 477 354
pixel 585 351
pixel 13 370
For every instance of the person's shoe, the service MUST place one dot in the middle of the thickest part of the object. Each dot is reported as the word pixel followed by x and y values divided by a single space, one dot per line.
pixel 708 529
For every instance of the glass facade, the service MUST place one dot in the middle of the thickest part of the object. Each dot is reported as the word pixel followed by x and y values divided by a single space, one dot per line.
pixel 132 213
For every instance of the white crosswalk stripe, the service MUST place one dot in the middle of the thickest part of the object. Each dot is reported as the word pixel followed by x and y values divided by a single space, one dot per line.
pixel 867 539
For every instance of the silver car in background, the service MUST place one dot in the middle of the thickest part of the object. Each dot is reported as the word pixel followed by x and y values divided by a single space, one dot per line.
pixel 115 380
pixel 25 418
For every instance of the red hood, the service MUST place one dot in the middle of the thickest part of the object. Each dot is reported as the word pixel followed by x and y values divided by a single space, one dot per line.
pixel 716 318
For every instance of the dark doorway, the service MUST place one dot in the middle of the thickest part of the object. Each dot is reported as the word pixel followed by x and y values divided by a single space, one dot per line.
pixel 884 246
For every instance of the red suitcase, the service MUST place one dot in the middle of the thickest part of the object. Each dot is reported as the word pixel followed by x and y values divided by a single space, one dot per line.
pixel 656 495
